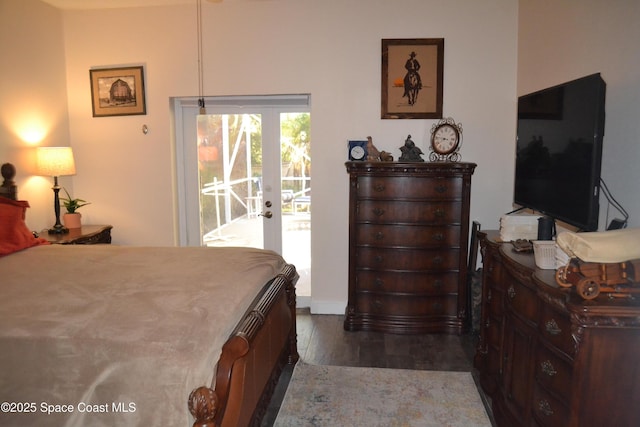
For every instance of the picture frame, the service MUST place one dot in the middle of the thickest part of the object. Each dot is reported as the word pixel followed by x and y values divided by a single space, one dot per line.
pixel 412 78
pixel 117 91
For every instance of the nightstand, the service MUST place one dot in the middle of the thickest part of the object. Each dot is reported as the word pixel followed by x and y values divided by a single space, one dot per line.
pixel 86 235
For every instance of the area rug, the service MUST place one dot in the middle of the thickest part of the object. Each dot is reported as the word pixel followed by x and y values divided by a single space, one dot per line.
pixel 348 396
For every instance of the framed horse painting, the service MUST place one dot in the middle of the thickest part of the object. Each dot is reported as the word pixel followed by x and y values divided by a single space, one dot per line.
pixel 412 73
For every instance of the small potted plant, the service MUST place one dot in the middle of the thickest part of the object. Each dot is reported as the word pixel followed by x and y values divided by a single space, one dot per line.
pixel 72 218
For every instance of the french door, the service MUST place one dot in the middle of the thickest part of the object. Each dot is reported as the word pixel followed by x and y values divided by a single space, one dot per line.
pixel 243 172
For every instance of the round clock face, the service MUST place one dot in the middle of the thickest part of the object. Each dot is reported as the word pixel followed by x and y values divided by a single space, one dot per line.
pixel 357 152
pixel 445 139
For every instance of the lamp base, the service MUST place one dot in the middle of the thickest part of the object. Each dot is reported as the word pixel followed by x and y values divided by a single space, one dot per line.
pixel 58 229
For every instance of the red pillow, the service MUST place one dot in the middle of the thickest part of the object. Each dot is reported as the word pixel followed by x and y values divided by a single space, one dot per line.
pixel 14 233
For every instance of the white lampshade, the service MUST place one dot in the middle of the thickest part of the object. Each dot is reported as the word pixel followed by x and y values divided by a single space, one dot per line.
pixel 55 161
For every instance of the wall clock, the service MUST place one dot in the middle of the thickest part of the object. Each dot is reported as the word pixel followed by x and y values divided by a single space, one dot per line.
pixel 446 138
pixel 358 150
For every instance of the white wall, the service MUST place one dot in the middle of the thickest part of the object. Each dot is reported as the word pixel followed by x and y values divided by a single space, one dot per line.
pixel 33 98
pixel 330 49
pixel 563 40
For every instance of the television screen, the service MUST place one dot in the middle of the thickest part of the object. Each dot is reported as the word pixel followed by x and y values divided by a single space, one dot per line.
pixel 559 151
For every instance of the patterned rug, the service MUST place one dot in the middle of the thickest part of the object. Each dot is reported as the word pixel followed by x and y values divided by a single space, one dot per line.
pixel 346 396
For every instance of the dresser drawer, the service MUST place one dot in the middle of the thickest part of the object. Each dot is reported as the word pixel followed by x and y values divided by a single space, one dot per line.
pixel 547 410
pixel 556 329
pixel 407 260
pixel 406 305
pixel 553 373
pixel 409 236
pixel 409 188
pixel 380 211
pixel 418 283
pixel 523 301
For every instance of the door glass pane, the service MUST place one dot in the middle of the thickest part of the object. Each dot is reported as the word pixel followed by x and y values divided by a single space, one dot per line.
pixel 230 179
pixel 295 148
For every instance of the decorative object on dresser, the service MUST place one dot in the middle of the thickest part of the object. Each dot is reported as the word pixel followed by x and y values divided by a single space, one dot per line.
pixel 410 152
pixel 357 150
pixel 85 235
pixel 446 139
pixel 408 236
pixel 546 356
pixel 55 162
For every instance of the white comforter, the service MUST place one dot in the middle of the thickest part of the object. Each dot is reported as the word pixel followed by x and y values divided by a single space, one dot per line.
pixel 108 335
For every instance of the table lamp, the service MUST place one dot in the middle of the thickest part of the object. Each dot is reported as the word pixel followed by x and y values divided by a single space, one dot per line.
pixel 55 162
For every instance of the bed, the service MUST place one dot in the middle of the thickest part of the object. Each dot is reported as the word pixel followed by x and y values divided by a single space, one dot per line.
pixel 108 335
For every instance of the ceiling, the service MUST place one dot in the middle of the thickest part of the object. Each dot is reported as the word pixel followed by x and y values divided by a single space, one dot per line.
pixel 111 4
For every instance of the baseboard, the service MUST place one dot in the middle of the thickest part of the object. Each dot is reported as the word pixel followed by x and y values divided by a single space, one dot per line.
pixel 327 307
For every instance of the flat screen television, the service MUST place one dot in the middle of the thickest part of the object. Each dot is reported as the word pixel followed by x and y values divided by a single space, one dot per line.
pixel 559 151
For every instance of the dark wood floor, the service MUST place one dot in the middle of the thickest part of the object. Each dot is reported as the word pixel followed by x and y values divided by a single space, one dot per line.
pixel 322 340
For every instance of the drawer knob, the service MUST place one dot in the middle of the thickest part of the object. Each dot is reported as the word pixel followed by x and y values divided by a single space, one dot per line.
pixel 379 235
pixel 379 282
pixel 438 237
pixel 547 368
pixel 378 258
pixel 511 292
pixel 552 327
pixel 441 188
pixel 438 284
pixel 437 306
pixel 379 187
pixel 545 407
pixel 439 213
pixel 377 304
pixel 438 260
pixel 378 211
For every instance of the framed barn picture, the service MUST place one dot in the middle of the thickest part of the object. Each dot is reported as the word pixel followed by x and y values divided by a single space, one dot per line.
pixel 412 74
pixel 117 91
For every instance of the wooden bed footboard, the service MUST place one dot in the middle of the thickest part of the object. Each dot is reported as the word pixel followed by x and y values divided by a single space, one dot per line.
pixel 252 359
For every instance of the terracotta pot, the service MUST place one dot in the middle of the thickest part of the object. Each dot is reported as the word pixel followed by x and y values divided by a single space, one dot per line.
pixel 72 220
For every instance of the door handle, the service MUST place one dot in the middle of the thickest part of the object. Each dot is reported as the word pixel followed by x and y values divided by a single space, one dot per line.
pixel 267 214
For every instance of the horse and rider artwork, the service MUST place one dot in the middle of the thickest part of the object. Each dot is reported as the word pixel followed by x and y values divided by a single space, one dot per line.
pixel 412 72
pixel 412 81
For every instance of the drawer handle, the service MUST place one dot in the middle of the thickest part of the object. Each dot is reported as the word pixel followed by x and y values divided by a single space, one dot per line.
pixel 438 284
pixel 379 235
pixel 489 295
pixel 379 188
pixel 377 304
pixel 439 213
pixel 379 282
pixel 441 188
pixel 511 292
pixel 547 368
pixel 437 306
pixel 437 260
pixel 378 258
pixel 552 327
pixel 545 407
pixel 378 211
pixel 438 237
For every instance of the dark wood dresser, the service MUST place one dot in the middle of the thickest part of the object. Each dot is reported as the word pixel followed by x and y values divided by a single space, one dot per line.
pixel 408 237
pixel 546 356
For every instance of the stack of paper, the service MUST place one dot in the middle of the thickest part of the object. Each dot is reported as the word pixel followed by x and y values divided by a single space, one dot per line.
pixel 519 226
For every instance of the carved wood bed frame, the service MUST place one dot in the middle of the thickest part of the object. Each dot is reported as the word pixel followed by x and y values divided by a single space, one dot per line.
pixel 252 358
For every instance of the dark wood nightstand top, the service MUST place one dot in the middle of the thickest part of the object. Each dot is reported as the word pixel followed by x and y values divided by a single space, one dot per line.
pixel 86 235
